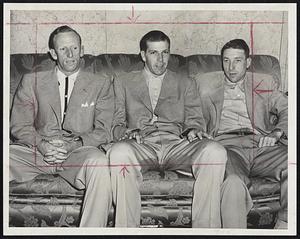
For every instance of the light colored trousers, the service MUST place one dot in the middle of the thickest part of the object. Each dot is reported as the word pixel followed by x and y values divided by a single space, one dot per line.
pixel 247 160
pixel 215 203
pixel 85 168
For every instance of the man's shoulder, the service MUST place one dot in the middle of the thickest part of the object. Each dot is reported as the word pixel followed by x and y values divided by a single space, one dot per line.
pixel 209 81
pixel 262 80
pixel 37 76
pixel 96 78
pixel 128 77
pixel 209 77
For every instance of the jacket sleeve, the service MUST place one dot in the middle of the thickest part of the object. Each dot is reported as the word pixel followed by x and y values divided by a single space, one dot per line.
pixel 278 105
pixel 23 113
pixel 119 120
pixel 192 108
pixel 104 109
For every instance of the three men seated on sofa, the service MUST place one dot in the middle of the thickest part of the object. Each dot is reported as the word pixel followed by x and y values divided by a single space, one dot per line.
pixel 159 121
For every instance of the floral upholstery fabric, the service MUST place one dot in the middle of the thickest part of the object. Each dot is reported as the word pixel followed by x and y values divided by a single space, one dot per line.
pixel 48 200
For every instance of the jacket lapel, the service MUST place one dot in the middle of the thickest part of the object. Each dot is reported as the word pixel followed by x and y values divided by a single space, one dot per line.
pixel 167 88
pixel 142 90
pixel 249 95
pixel 79 93
pixel 50 91
pixel 218 102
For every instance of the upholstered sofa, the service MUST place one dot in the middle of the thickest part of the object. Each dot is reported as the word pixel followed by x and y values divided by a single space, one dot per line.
pixel 48 200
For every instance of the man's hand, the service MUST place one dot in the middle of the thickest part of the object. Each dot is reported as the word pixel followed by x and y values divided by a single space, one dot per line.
pixel 133 134
pixel 197 133
pixel 52 153
pixel 66 144
pixel 270 139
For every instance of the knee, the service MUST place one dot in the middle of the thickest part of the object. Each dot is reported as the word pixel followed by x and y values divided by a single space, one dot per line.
pixel 96 156
pixel 216 151
pixel 118 152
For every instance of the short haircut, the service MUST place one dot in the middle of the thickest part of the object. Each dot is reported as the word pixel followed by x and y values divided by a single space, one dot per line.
pixel 236 44
pixel 58 30
pixel 153 36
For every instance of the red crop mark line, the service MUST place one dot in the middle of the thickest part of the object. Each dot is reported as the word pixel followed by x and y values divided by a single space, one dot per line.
pixel 133 20
pixel 124 167
pixel 252 79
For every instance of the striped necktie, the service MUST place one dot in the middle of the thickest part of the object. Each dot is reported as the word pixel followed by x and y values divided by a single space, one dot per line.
pixel 66 96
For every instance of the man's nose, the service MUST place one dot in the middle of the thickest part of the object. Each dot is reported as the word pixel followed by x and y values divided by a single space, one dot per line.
pixel 231 66
pixel 160 57
pixel 69 53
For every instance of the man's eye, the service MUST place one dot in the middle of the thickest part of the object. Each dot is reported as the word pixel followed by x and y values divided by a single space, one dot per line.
pixel 75 47
pixel 62 49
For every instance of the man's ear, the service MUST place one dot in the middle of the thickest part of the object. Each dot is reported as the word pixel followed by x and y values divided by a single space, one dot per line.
pixel 53 54
pixel 81 51
pixel 143 55
pixel 248 62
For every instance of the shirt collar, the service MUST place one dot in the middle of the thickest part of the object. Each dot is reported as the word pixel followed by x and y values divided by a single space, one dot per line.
pixel 231 85
pixel 150 75
pixel 61 75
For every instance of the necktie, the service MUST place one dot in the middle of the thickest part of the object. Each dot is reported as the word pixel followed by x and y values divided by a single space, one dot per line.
pixel 66 96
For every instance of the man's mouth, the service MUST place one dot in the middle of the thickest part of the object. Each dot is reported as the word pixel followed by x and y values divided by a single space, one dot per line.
pixel 70 62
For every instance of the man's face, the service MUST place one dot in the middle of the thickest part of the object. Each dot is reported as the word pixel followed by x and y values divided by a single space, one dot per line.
pixel 235 64
pixel 67 52
pixel 156 57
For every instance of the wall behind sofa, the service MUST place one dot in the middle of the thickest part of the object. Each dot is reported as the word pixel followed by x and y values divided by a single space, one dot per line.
pixel 119 31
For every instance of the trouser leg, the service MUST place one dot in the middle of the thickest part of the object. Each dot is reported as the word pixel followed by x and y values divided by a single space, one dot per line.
pixel 247 160
pixel 88 168
pixel 235 202
pixel 26 163
pixel 207 160
pixel 271 163
pixel 127 160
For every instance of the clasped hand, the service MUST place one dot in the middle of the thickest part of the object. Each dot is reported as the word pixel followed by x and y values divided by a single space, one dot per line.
pixel 133 134
pixel 56 151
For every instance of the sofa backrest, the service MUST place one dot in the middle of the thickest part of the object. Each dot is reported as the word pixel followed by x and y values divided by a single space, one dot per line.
pixel 116 64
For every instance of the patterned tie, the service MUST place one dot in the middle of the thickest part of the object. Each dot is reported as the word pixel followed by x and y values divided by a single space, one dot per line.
pixel 66 96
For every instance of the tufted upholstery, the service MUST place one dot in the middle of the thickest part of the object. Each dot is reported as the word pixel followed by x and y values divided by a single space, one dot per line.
pixel 48 200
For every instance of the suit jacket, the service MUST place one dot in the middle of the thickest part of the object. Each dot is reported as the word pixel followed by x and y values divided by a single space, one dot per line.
pixel 266 106
pixel 178 108
pixel 36 111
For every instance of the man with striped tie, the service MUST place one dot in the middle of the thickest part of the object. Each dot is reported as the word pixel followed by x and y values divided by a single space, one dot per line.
pixel 59 119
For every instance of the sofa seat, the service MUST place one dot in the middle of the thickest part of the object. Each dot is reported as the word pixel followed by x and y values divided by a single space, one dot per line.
pixel 48 200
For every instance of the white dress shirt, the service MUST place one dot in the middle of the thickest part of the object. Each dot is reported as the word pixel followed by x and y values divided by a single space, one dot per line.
pixel 234 113
pixel 154 84
pixel 61 85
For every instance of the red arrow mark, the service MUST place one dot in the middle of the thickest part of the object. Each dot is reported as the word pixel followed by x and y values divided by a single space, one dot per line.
pixel 124 170
pixel 260 91
pixel 132 18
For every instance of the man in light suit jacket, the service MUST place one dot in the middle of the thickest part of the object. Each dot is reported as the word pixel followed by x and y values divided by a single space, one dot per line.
pixel 58 120
pixel 159 125
pixel 246 113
